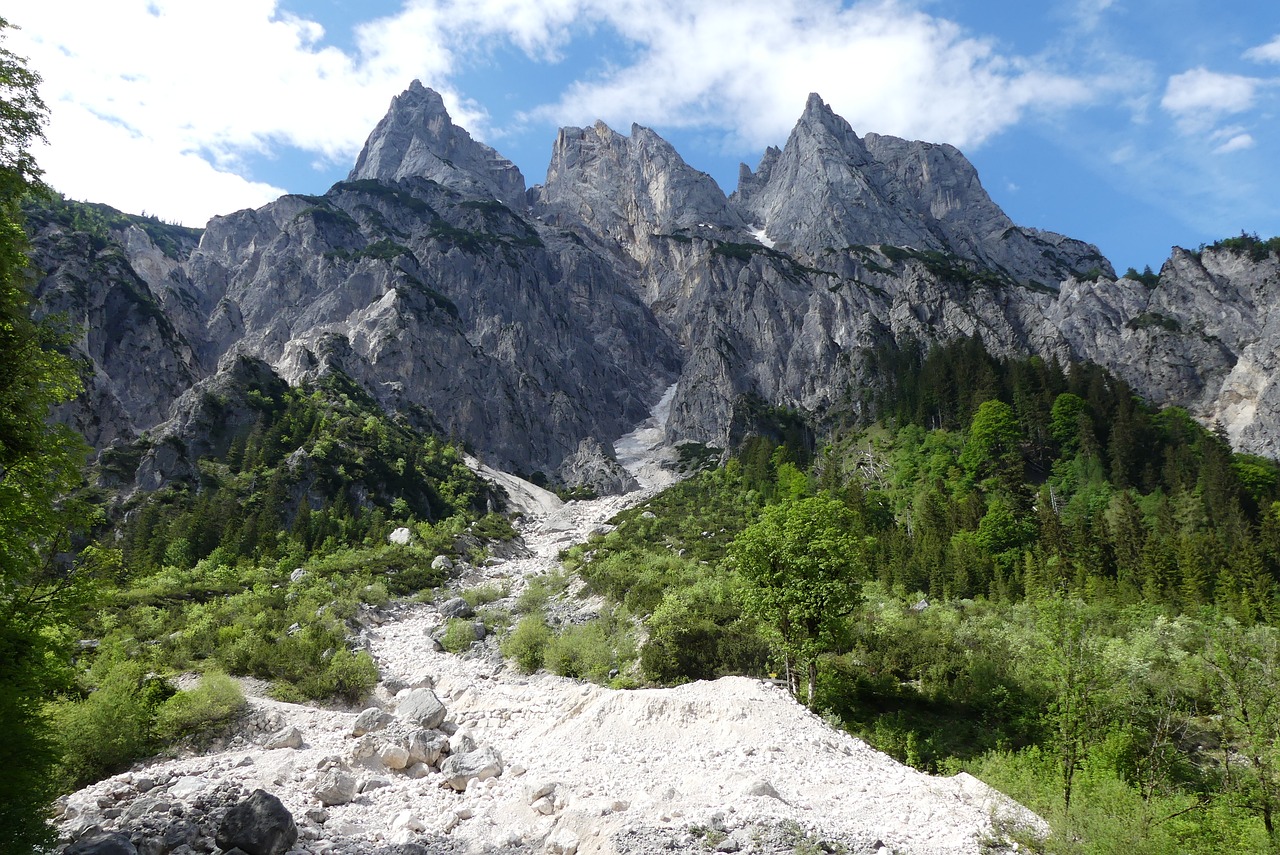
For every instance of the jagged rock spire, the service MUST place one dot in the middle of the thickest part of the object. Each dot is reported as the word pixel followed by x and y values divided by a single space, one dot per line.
pixel 418 138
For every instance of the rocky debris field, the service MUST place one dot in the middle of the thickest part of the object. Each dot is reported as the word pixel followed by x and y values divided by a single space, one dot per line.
pixel 465 754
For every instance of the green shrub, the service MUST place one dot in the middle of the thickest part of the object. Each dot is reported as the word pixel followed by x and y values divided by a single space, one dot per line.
pixel 104 732
pixel 350 676
pixel 459 635
pixel 527 643
pixel 584 652
pixel 493 527
pixel 213 702
pixel 476 597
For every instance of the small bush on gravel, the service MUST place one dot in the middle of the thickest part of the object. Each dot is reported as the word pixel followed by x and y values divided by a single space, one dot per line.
pixel 214 701
pixel 476 597
pixel 527 643
pixel 583 651
pixel 459 635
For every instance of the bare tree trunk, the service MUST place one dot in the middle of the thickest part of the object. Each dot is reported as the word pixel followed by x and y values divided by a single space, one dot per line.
pixel 813 679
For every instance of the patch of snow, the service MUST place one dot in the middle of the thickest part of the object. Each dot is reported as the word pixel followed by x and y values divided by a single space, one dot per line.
pixel 764 239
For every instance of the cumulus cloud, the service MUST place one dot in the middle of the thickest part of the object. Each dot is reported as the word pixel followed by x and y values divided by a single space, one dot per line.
pixel 1236 142
pixel 1270 52
pixel 174 95
pixel 170 99
pixel 1199 97
pixel 749 66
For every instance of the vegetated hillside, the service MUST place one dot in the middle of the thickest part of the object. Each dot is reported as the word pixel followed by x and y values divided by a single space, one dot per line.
pixel 1054 585
pixel 260 562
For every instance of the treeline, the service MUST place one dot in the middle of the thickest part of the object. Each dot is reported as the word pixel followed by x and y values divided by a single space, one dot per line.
pixel 1036 477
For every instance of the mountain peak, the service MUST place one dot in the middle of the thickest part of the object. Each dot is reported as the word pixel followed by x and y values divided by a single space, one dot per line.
pixel 417 137
pixel 621 186
pixel 833 189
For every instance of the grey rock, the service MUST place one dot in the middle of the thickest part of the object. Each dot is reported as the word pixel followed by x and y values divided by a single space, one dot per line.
pixel 629 189
pixel 288 737
pixel 456 608
pixel 442 562
pixel 335 788
pixel 421 708
pixel 259 825
pixel 426 746
pixel 827 189
pixel 180 832
pixel 460 770
pixel 102 843
pixel 462 742
pixel 375 782
pixel 595 469
pixel 417 138
pixel 370 720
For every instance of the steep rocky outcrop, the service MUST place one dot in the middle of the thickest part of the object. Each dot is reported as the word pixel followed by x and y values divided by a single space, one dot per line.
pixel 827 189
pixel 126 320
pixel 417 139
pixel 591 467
pixel 1206 337
pixel 628 189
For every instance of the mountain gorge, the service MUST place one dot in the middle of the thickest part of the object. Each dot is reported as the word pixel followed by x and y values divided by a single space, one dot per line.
pixel 529 322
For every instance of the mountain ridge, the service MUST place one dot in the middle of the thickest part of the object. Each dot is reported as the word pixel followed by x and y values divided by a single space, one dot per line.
pixel 527 322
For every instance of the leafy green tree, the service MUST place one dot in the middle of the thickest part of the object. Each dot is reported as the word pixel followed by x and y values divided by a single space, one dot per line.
pixel 1066 654
pixel 992 447
pixel 39 463
pixel 804 562
pixel 1244 675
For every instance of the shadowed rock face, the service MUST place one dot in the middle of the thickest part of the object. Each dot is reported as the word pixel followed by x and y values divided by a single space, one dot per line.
pixel 528 323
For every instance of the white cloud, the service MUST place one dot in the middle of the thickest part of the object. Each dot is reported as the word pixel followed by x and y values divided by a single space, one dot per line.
pixel 174 94
pixel 1088 13
pixel 1237 142
pixel 165 100
pixel 749 66
pixel 1199 97
pixel 136 174
pixel 1270 52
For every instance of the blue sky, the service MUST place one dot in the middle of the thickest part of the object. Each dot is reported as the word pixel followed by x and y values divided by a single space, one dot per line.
pixel 1133 124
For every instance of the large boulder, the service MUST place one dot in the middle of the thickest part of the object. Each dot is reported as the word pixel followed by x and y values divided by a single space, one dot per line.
pixel 335 788
pixel 259 825
pixel 456 608
pixel 427 746
pixel 459 770
pixel 370 720
pixel 421 707
pixel 102 843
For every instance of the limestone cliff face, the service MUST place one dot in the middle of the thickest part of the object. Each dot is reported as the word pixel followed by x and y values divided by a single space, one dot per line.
pixel 827 189
pixel 124 313
pixel 418 139
pixel 1207 338
pixel 540 327
pixel 626 190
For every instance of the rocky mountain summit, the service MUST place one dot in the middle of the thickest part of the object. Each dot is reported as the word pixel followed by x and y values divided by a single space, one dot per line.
pixel 827 190
pixel 528 323
pixel 418 139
